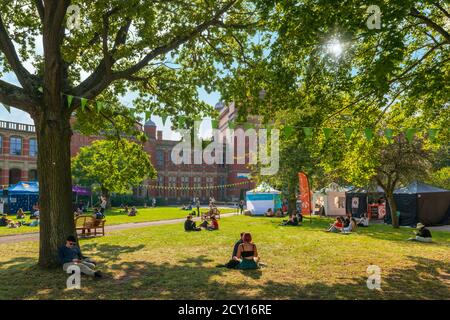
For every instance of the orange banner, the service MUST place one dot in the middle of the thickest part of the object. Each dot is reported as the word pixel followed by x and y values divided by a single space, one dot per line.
pixel 305 195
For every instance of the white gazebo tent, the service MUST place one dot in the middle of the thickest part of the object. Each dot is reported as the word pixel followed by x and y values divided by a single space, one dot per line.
pixel 262 198
pixel 332 198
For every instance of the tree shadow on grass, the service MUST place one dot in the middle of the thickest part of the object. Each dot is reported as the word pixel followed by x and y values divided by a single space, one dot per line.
pixel 194 278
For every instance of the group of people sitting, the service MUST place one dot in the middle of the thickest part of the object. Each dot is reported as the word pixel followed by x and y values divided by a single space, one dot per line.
pixel 190 225
pixel 186 207
pixel 281 212
pixel 345 224
pixel 130 212
pixel 294 219
pixel 20 217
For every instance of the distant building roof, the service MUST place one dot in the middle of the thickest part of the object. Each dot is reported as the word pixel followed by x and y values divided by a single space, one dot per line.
pixel 419 187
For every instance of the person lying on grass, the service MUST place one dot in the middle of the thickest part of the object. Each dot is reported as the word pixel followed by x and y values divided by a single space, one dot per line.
pixel 189 224
pixel 70 254
pixel 336 226
pixel 247 254
pixel 33 223
pixel 293 221
pixel 422 234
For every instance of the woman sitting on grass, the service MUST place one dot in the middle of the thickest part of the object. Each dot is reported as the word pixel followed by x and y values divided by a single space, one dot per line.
pixel 336 226
pixel 351 226
pixel 20 214
pixel 364 221
pixel 214 224
pixel 133 212
pixel 293 221
pixel 247 254
pixel 269 213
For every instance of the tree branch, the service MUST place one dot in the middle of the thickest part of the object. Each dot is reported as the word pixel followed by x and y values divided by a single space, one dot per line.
pixel 7 47
pixel 445 12
pixel 415 13
pixel 16 97
pixel 40 9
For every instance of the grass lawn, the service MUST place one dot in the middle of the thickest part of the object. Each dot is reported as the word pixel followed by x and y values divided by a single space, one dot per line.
pixel 116 216
pixel 165 262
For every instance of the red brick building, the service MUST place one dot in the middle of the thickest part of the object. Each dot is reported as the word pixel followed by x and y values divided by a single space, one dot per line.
pixel 174 183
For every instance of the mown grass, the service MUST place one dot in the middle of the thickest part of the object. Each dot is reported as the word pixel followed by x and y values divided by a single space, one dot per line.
pixel 117 216
pixel 165 262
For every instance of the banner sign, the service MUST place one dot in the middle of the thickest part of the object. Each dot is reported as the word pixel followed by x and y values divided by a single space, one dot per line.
pixel 305 195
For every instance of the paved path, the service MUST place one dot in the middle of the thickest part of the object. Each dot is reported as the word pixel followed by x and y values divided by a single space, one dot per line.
pixel 125 226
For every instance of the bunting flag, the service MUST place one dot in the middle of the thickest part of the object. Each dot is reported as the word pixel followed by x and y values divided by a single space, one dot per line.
pixel 148 115
pixel 389 134
pixel 432 134
pixel 288 131
pixel 164 119
pixel 410 134
pixel 214 123
pixel 99 106
pixel 249 125
pixel 368 133
pixel 327 132
pixel 348 132
pixel 8 108
pixel 69 100
pixel 83 103
pixel 308 132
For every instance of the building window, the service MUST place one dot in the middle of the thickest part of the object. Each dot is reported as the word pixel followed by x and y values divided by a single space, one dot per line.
pixel 15 146
pixel 184 186
pixel 32 175
pixel 172 186
pixel 160 158
pixel 33 147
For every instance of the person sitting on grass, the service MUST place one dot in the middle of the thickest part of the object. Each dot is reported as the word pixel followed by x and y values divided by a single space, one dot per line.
pixel 20 214
pixel 4 221
pixel 133 212
pixel 363 221
pixel 189 224
pixel 70 254
pixel 293 221
pixel 233 263
pixel 126 210
pixel 351 226
pixel 269 213
pixel 214 224
pixel 422 234
pixel 299 216
pixel 247 254
pixel 35 215
pixel 336 226
pixel 33 223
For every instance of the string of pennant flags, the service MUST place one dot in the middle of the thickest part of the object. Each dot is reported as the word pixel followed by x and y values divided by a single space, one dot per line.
pixel 209 187
pixel 368 133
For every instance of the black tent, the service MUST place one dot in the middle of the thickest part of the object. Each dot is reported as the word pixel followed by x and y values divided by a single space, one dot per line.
pixel 419 202
pixel 364 197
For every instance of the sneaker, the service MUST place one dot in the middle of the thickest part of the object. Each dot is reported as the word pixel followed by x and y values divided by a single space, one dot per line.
pixel 98 274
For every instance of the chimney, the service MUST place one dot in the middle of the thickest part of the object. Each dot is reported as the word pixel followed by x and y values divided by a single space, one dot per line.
pixel 159 135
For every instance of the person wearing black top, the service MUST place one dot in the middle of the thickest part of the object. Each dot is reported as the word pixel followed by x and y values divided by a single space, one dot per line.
pixel 422 234
pixel 189 225
pixel 233 263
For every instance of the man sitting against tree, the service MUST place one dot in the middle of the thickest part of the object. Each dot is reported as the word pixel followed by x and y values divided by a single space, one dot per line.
pixel 70 254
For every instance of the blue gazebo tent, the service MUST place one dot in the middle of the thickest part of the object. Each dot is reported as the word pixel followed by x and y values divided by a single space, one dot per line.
pixel 262 198
pixel 22 195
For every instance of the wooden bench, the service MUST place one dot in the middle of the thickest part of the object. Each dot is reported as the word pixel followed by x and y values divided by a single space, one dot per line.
pixel 85 222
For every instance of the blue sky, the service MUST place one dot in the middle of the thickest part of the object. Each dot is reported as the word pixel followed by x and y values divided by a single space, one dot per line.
pixel 205 128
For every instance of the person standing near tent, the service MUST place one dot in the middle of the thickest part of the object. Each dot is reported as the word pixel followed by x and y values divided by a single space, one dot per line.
pixel 422 234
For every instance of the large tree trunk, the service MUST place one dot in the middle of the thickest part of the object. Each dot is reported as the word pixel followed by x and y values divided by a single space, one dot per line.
pixel 393 207
pixel 55 185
